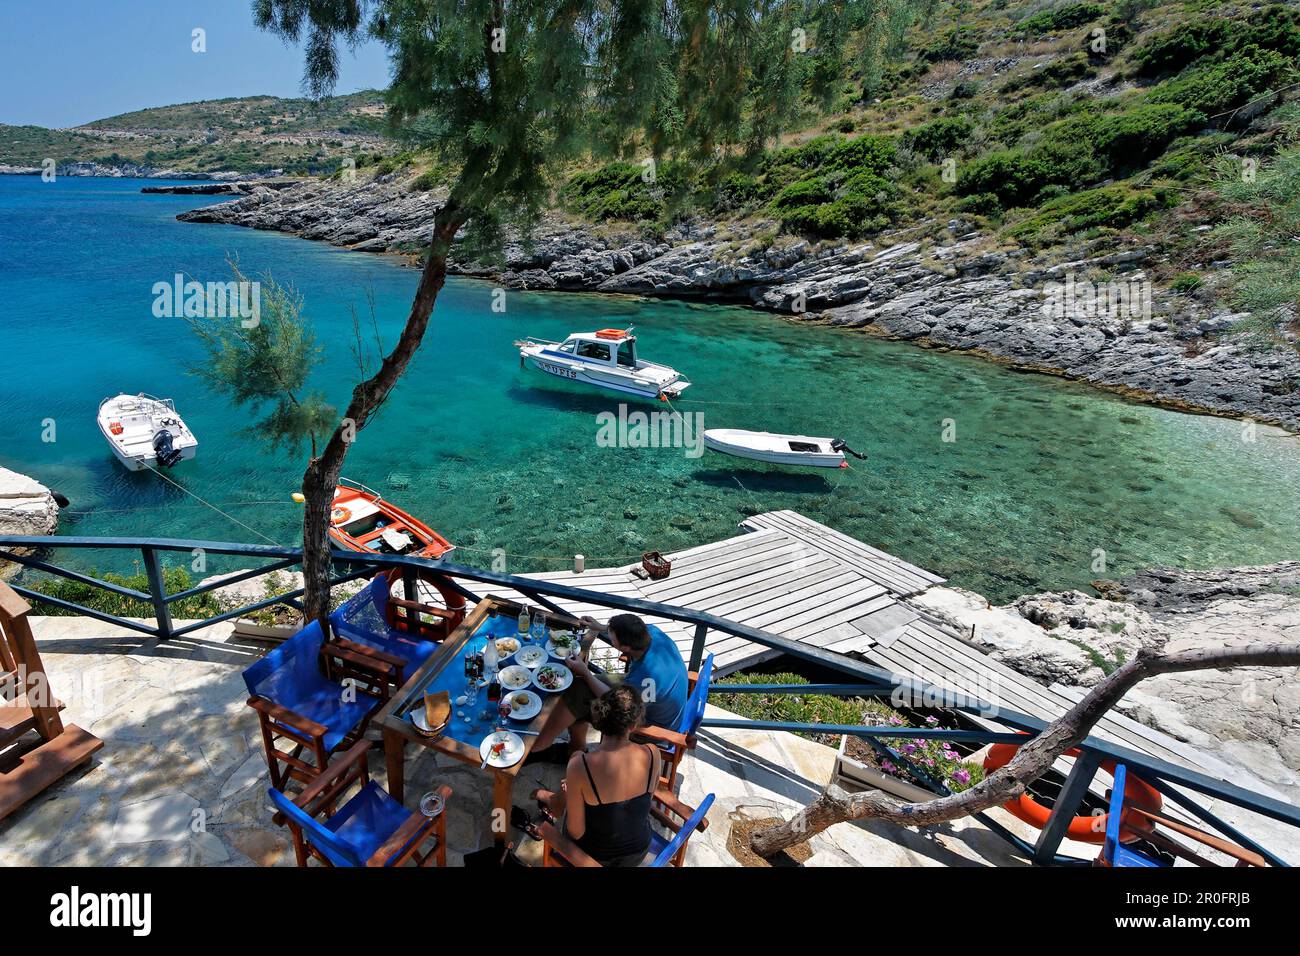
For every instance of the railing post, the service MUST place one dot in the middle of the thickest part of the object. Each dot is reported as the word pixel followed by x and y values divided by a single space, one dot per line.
pixel 1066 806
pixel 157 592
pixel 410 585
pixel 697 647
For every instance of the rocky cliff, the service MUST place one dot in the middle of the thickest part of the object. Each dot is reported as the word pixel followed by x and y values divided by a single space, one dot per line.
pixel 953 289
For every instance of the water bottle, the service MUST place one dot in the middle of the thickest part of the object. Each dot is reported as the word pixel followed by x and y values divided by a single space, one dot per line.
pixel 524 623
pixel 490 656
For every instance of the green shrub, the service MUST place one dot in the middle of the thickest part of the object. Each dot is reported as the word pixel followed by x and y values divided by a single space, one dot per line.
pixel 957 44
pixel 1186 282
pixel 939 138
pixel 619 191
pixel 1273 28
pixel 1060 18
pixel 1106 206
pixel 175 580
pixel 1010 175
pixel 1218 87
pixel 427 181
pixel 831 187
pixel 1132 138
pixel 980 204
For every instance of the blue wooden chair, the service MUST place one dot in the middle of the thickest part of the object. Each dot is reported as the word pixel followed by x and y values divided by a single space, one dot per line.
pixel 680 819
pixel 1151 826
pixel 369 829
pixel 674 742
pixel 1113 851
pixel 400 632
pixel 297 694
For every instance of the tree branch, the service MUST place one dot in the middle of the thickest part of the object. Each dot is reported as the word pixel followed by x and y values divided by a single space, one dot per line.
pixel 1033 759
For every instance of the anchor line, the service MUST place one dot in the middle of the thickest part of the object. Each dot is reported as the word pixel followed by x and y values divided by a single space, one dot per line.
pixel 209 504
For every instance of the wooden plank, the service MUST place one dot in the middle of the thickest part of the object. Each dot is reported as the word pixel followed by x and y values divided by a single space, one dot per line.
pixel 902 578
pixel 795 519
pixel 45 765
pixel 767 580
pixel 726 566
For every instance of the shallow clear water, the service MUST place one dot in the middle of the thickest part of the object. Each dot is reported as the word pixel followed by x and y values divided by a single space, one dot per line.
pixel 1042 472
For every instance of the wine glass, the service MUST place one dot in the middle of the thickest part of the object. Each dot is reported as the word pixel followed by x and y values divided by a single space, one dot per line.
pixel 538 631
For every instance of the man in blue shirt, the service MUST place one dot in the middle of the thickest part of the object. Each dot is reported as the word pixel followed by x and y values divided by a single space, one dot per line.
pixel 655 668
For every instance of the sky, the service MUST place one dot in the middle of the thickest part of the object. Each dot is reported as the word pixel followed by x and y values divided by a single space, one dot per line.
pixel 69 63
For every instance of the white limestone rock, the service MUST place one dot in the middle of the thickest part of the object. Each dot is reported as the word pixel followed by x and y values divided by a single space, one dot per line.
pixel 26 505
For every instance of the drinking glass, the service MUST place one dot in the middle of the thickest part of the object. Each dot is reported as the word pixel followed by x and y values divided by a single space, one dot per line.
pixel 538 633
pixel 431 804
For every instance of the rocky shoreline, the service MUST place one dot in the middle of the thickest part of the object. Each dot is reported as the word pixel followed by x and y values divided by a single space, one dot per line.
pixel 959 292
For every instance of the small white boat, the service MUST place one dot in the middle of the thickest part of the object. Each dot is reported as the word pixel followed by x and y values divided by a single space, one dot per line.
pixel 779 449
pixel 145 432
pixel 606 359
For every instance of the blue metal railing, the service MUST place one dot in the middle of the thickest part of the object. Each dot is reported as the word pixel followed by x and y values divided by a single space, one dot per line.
pixel 869 681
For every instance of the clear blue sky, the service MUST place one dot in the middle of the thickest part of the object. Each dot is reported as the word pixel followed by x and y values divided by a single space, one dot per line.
pixel 69 63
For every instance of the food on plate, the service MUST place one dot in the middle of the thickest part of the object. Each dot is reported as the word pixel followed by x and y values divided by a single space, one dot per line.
pixel 520 701
pixel 529 656
pixel 514 677
pixel 552 678
pixel 507 646
pixel 564 641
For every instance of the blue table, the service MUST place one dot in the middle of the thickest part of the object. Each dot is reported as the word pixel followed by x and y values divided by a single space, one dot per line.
pixel 445 670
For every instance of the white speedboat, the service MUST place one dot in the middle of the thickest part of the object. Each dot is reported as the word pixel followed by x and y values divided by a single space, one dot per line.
pixel 145 432
pixel 605 359
pixel 779 449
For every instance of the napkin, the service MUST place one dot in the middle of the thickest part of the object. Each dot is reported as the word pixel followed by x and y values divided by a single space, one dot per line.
pixel 437 708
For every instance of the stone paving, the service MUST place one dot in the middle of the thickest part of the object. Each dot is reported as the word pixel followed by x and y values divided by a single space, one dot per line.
pixel 182 779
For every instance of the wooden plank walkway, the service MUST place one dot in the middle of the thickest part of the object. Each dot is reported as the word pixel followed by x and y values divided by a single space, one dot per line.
pixel 795 577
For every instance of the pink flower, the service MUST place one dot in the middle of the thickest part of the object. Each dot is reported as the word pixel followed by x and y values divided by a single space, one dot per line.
pixel 887 766
pixel 932 720
pixel 961 776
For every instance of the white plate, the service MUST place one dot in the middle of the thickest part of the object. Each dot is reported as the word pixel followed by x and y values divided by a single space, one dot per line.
pixel 508 642
pixel 514 677
pixel 509 756
pixel 557 653
pixel 530 656
pixel 529 710
pixel 566 678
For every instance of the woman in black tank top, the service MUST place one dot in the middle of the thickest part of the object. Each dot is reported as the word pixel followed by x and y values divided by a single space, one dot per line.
pixel 606 797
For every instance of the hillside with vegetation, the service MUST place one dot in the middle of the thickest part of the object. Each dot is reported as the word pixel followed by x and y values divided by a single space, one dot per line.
pixel 249 135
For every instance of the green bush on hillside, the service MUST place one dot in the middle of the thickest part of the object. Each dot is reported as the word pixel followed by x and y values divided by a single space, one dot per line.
pixel 939 138
pixel 619 191
pixel 957 44
pixel 1107 206
pixel 1215 88
pixel 1061 18
pixel 1274 28
pixel 832 188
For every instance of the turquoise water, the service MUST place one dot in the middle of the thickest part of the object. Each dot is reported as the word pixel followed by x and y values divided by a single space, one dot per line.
pixel 1041 475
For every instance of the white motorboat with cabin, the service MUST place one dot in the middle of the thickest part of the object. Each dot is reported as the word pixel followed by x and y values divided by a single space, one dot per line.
pixel 778 449
pixel 145 431
pixel 606 359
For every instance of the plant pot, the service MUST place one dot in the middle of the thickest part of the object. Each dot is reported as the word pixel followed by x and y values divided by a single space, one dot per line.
pixel 852 775
pixel 246 627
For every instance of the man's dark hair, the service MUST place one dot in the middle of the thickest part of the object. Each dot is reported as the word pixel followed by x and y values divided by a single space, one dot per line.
pixel 630 631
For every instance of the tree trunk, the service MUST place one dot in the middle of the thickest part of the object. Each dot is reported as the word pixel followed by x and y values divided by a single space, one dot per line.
pixel 1032 760
pixel 322 474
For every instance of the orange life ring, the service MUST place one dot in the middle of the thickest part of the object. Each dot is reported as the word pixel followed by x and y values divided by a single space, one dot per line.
pixel 340 515
pixel 451 598
pixel 1085 829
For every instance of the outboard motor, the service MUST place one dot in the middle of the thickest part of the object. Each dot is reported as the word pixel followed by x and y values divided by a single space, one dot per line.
pixel 163 450
pixel 839 444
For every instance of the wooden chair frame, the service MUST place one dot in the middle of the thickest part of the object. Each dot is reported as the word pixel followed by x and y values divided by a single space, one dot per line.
pixel 665 738
pixel 559 850
pixel 322 796
pixel 372 671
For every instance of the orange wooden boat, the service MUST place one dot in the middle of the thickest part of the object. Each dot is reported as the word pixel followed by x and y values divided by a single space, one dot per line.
pixel 363 521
